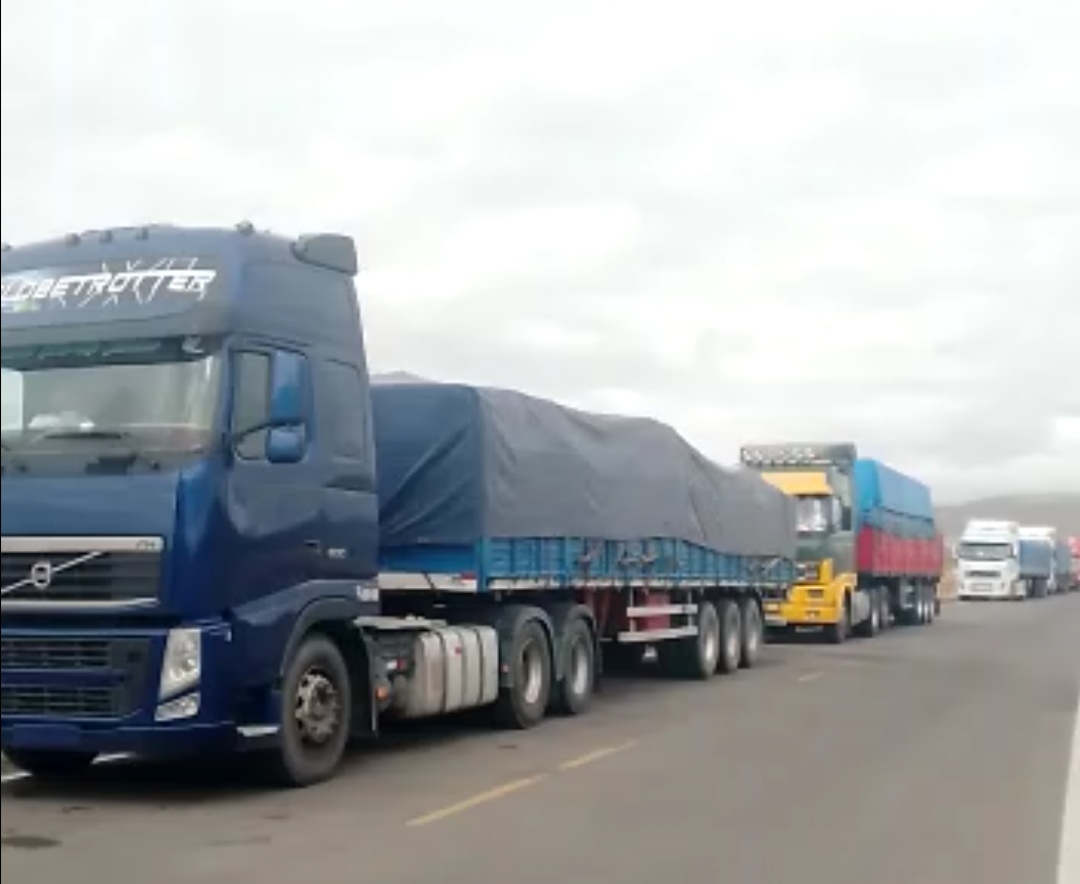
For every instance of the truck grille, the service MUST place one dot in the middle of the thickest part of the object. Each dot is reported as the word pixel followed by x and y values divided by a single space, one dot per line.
pixel 48 572
pixel 123 662
pixel 72 653
pixel 67 702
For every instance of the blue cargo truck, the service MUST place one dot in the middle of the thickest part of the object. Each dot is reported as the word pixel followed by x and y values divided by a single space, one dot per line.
pixel 219 535
pixel 1036 563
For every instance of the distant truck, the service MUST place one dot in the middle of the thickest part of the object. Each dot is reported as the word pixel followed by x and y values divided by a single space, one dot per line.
pixel 1063 565
pixel 870 553
pixel 1038 561
pixel 988 561
pixel 1074 570
pixel 199 554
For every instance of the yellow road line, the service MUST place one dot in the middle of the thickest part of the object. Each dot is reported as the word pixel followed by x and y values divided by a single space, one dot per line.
pixel 597 755
pixel 487 797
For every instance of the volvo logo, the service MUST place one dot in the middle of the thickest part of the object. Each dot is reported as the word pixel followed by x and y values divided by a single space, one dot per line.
pixel 41 575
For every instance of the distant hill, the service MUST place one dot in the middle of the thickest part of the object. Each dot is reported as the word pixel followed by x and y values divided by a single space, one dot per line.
pixel 1059 510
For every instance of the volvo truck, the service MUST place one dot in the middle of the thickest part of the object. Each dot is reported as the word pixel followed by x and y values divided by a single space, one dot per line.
pixel 219 536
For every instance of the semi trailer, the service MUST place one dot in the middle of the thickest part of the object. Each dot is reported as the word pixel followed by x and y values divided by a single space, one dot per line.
pixel 1037 561
pixel 220 536
pixel 870 553
pixel 1074 570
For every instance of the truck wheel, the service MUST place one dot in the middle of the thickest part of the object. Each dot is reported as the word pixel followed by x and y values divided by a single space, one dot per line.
pixel 575 691
pixel 699 656
pixel 871 626
pixel 47 765
pixel 316 709
pixel 884 609
pixel 730 621
pixel 524 703
pixel 753 634
pixel 837 633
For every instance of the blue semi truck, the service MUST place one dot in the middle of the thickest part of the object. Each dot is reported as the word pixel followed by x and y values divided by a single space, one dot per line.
pixel 219 535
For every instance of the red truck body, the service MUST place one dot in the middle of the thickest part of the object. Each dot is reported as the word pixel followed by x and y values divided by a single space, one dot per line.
pixel 879 553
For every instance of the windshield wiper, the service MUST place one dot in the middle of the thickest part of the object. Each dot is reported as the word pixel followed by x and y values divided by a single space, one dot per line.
pixel 124 458
pixel 13 458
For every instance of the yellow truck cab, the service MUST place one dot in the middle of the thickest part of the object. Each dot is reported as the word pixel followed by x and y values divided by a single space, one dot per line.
pixel 826 594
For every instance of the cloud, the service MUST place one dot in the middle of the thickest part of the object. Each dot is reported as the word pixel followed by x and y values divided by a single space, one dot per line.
pixel 829 220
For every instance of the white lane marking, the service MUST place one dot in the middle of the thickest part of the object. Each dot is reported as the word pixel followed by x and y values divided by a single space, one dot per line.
pixel 20 775
pixel 810 676
pixel 1069 866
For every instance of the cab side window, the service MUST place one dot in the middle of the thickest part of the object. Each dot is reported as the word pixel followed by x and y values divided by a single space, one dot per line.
pixel 251 402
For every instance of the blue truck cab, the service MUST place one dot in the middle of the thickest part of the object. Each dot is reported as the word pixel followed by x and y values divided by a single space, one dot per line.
pixel 188 485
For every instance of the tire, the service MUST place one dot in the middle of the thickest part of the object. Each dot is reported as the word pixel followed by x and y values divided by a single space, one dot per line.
pixel 310 751
pixel 870 627
pixel 729 616
pixel 839 632
pixel 574 693
pixel 48 765
pixel 885 610
pixel 753 634
pixel 699 656
pixel 524 703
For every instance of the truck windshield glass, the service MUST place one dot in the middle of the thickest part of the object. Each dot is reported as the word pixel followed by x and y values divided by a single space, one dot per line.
pixel 162 392
pixel 815 515
pixel 984 552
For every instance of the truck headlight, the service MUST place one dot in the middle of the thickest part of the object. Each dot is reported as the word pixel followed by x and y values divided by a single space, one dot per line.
pixel 181 666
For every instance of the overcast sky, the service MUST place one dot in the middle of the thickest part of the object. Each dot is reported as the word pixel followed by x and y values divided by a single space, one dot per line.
pixel 757 221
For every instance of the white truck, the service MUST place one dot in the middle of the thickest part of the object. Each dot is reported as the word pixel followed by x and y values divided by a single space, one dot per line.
pixel 988 561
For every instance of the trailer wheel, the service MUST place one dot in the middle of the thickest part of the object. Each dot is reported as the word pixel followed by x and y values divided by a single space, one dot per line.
pixel 731 637
pixel 316 709
pixel 575 691
pixel 699 656
pixel 48 765
pixel 885 608
pixel 753 634
pixel 524 702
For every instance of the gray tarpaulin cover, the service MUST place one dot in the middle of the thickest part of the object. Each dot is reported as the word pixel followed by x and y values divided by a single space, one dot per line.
pixel 458 463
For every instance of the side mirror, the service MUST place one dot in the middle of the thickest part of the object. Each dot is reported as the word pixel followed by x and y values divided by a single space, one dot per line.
pixel 286 445
pixel 288 389
pixel 286 441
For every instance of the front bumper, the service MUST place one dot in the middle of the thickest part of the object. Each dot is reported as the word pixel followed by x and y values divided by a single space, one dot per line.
pixel 989 590
pixel 802 612
pixel 97 692
pixel 147 741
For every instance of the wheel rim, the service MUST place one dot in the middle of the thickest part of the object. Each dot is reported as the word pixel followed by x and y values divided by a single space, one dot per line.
pixel 580 668
pixel 532 665
pixel 317 708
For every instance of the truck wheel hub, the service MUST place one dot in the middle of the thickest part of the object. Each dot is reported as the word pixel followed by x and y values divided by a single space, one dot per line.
pixel 318 708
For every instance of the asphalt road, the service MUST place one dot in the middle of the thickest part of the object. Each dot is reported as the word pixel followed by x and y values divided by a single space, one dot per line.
pixel 938 756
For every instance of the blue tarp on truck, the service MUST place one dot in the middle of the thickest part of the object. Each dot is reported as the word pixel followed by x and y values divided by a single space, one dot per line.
pixel 462 467
pixel 1063 561
pixel 1036 559
pixel 891 501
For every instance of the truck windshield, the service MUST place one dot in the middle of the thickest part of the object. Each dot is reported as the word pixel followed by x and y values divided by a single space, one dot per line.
pixel 160 392
pixel 815 515
pixel 984 552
